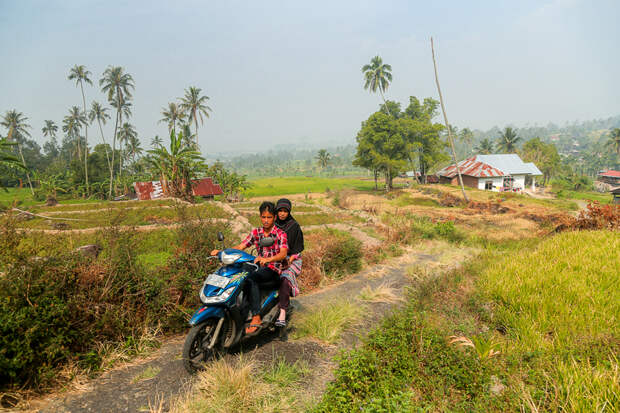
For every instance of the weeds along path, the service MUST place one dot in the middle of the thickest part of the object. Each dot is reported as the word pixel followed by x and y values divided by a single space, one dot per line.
pixel 160 381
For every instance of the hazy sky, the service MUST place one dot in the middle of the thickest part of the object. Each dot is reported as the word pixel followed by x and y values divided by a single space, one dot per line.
pixel 290 71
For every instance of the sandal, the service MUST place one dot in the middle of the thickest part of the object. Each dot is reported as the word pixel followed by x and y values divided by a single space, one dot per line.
pixel 256 323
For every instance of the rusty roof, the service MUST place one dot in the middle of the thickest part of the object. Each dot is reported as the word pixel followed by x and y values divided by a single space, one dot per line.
pixel 205 187
pixel 471 167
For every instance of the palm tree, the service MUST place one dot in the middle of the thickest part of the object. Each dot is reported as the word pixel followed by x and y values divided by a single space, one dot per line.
pixel 485 147
pixel 466 136
pixel 15 122
pixel 100 114
pixel 50 129
pixel 176 166
pixel 172 114
pixel 134 148
pixel 125 133
pixel 188 137
pixel 323 158
pixel 81 75
pixel 156 141
pixel 7 158
pixel 117 85
pixel 195 106
pixel 378 76
pixel 507 142
pixel 614 141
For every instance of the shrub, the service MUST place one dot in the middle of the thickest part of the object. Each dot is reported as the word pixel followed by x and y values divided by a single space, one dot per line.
pixel 329 252
pixel 56 309
pixel 408 228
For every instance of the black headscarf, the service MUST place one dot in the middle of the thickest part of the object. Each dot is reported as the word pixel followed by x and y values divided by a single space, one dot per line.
pixel 293 231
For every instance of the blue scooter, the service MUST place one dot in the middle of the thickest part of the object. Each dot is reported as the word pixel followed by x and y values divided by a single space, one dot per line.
pixel 219 324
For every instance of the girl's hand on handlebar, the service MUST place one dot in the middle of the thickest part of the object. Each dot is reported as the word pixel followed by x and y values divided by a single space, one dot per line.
pixel 261 260
pixel 214 252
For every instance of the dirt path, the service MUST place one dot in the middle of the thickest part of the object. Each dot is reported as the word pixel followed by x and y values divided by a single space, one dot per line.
pixel 122 390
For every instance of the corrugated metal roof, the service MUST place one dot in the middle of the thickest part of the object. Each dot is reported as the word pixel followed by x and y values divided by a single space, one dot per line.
pixel 486 166
pixel 206 187
pixel 154 189
pixel 510 163
pixel 471 167
pixel 615 174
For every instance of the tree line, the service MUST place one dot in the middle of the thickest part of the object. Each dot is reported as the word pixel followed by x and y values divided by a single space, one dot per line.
pixel 84 168
pixel 393 140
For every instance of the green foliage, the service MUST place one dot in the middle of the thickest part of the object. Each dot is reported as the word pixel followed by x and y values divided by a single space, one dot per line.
pixel 559 304
pixel 392 143
pixel 57 307
pixel 544 155
pixel 406 365
pixel 344 255
pixel 507 142
pixel 572 182
pixel 408 228
pixel 298 185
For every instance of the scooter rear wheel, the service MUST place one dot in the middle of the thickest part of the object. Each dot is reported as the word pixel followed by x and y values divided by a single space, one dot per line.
pixel 195 350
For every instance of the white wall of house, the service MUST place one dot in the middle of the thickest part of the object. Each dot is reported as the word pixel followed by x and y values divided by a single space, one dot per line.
pixel 519 181
pixel 496 181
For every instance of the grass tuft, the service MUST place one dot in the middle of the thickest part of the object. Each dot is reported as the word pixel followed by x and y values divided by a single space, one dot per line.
pixel 383 293
pixel 327 323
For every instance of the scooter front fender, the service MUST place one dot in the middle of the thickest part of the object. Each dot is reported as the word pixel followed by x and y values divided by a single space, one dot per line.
pixel 205 312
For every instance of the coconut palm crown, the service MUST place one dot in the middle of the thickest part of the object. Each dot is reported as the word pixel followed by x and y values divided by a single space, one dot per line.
pixel 377 75
pixel 195 106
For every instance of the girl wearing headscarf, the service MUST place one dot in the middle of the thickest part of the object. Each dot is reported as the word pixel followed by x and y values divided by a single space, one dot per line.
pixel 288 286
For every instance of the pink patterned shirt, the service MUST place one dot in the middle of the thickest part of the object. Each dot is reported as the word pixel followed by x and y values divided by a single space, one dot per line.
pixel 266 252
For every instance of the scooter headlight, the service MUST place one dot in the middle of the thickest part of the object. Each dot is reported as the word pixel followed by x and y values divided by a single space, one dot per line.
pixel 228 259
pixel 223 296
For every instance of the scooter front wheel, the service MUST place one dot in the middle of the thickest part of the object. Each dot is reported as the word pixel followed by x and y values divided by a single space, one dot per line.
pixel 197 350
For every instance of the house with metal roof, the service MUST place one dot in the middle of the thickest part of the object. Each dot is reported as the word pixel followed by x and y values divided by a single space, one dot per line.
pixel 502 172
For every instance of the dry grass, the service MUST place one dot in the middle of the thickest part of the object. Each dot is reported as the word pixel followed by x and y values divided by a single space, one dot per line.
pixel 328 322
pixel 383 293
pixel 238 386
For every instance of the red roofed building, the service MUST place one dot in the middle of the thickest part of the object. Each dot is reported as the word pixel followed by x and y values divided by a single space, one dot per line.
pixel 491 172
pixel 610 177
pixel 200 187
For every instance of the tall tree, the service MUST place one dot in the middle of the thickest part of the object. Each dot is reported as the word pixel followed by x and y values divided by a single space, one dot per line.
pixel 15 122
pixel 72 125
pixel 323 157
pixel 377 76
pixel 195 106
pixel 484 147
pixel 614 141
pixel 508 140
pixel 125 134
pixel 118 85
pixel 544 155
pixel 156 141
pixel 81 75
pixel 134 148
pixel 171 115
pixel 50 129
pixel 100 114
pixel 445 117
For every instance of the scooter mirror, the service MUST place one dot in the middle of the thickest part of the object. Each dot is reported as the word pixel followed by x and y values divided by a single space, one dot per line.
pixel 266 242
pixel 220 236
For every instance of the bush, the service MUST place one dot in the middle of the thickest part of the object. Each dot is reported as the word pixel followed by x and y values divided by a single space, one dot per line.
pixel 408 228
pixel 329 252
pixel 56 309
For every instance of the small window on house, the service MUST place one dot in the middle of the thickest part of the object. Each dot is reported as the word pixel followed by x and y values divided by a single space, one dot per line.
pixel 488 185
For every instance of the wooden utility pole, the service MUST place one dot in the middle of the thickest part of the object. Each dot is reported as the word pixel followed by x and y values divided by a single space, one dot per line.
pixel 445 117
